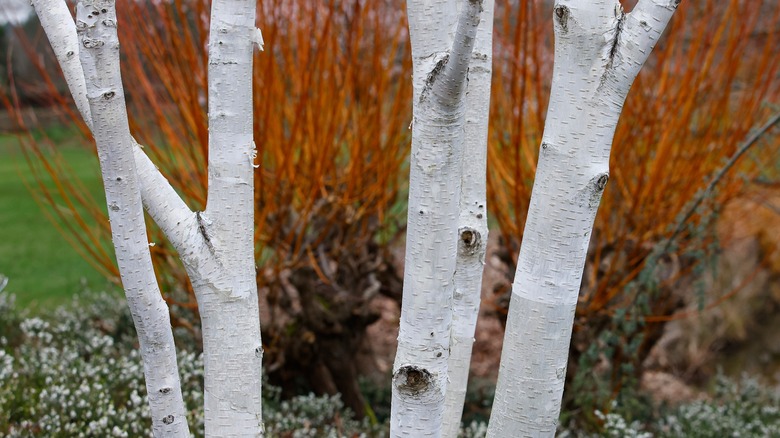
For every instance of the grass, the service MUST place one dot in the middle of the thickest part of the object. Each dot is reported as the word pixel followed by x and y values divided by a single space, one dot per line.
pixel 43 269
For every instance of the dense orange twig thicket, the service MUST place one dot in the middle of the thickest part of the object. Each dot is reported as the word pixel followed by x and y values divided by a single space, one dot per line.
pixel 712 78
pixel 706 85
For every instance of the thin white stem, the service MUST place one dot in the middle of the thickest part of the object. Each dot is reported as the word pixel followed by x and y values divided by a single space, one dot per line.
pixel 472 226
pixel 96 23
pixel 159 197
pixel 440 72
pixel 60 29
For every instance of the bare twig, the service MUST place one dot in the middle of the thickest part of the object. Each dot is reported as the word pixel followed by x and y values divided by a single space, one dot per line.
pixel 752 140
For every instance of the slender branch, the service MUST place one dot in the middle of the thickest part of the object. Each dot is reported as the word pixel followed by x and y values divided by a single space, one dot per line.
pixel 159 197
pixel 691 209
pixel 96 24
pixel 455 69
pixel 642 28
pixel 59 27
pixel 441 63
pixel 472 223
pixel 231 150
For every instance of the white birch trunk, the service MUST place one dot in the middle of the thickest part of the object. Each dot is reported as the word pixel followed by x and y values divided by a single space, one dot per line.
pixel 229 309
pixel 598 52
pixel 96 23
pixel 217 247
pixel 472 225
pixel 442 44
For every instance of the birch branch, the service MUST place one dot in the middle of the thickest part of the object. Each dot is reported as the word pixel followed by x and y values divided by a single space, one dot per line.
pixel 472 225
pixel 159 197
pixel 96 23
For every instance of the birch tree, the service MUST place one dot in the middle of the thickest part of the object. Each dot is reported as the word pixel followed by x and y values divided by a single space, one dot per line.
pixel 599 50
pixel 100 63
pixel 216 246
pixel 472 225
pixel 442 42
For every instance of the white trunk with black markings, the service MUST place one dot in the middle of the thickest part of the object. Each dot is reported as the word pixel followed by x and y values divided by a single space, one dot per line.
pixel 216 247
pixel 598 52
pixel 472 225
pixel 96 24
pixel 442 42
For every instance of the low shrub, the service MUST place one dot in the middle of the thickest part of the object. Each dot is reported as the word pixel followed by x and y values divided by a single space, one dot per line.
pixel 77 372
pixel 744 409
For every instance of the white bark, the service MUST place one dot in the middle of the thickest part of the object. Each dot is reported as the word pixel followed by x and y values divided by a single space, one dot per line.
pixel 96 23
pixel 472 226
pixel 441 50
pixel 60 29
pixel 160 199
pixel 598 52
pixel 217 247
pixel 229 309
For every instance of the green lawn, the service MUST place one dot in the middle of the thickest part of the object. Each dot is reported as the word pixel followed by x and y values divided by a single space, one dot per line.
pixel 43 269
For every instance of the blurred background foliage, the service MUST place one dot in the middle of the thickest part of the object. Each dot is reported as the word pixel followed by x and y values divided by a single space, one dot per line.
pixel 332 94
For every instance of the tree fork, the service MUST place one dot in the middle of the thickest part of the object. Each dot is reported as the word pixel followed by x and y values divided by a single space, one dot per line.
pixel 599 50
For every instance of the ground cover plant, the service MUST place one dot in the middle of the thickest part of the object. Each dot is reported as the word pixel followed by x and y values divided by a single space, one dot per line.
pixel 744 408
pixel 76 371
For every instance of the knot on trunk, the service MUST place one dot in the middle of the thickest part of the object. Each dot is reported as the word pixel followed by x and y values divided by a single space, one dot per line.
pixel 470 240
pixel 412 380
pixel 562 17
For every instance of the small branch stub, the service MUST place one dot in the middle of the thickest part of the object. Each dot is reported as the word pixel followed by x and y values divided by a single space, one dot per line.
pixel 257 39
pixel 91 43
pixel 434 73
pixel 601 182
pixel 562 17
